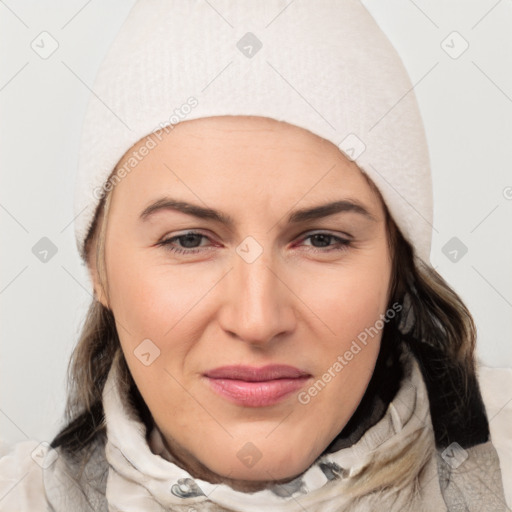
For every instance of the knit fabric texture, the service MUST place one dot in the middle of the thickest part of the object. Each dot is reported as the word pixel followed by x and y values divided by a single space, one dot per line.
pixel 323 65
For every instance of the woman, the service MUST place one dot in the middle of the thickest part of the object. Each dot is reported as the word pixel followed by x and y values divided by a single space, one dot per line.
pixel 266 331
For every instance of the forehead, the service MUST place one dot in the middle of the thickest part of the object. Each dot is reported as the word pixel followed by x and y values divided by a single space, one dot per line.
pixel 241 137
pixel 225 157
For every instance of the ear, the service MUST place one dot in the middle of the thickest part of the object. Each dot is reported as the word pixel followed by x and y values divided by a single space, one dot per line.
pixel 98 288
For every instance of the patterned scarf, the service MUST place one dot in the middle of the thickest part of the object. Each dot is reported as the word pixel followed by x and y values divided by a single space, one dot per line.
pixel 394 466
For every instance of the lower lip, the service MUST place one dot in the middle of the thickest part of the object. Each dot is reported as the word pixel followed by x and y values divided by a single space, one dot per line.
pixel 256 394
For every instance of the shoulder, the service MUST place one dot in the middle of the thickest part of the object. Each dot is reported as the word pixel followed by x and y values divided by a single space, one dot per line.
pixel 34 477
pixel 21 475
pixel 496 387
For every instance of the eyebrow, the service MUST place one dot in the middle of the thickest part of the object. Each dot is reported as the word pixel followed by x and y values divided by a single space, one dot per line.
pixel 296 217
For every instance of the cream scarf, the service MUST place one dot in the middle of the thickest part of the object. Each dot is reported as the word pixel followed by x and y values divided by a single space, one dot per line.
pixel 393 467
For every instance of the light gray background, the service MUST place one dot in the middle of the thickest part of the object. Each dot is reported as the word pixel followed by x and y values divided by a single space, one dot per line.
pixel 466 103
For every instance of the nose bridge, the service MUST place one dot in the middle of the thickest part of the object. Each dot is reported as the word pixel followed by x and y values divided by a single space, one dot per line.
pixel 257 305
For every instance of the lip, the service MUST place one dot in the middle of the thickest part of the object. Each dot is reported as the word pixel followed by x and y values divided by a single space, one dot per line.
pixel 250 386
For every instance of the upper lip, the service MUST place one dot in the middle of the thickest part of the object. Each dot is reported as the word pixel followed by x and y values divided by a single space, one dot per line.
pixel 254 374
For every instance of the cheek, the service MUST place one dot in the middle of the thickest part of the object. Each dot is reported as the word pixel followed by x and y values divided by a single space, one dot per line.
pixel 348 299
pixel 151 300
pixel 158 303
pixel 165 304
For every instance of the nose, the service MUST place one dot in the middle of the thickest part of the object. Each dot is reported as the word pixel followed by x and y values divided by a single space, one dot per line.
pixel 258 306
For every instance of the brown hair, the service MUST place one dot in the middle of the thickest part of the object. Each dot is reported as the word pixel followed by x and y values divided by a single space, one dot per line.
pixel 98 348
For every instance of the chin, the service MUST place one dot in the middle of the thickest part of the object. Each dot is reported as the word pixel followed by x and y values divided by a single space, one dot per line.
pixel 251 465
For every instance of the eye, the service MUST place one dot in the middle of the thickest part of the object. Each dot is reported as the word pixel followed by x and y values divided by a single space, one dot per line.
pixel 324 239
pixel 190 242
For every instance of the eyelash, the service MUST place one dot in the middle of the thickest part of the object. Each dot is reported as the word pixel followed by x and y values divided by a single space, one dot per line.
pixel 343 243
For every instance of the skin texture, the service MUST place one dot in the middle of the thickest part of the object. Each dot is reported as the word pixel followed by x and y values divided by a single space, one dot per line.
pixel 301 302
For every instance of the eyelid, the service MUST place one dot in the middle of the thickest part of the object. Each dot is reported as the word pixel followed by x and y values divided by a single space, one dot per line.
pixel 185 232
pixel 342 242
pixel 300 236
pixel 319 231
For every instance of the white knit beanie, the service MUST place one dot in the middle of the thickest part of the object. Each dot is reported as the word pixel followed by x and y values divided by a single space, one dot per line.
pixel 323 65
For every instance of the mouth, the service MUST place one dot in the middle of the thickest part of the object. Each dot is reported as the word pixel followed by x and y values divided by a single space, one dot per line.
pixel 256 387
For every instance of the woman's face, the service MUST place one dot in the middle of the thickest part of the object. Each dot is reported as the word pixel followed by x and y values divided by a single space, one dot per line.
pixel 270 276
